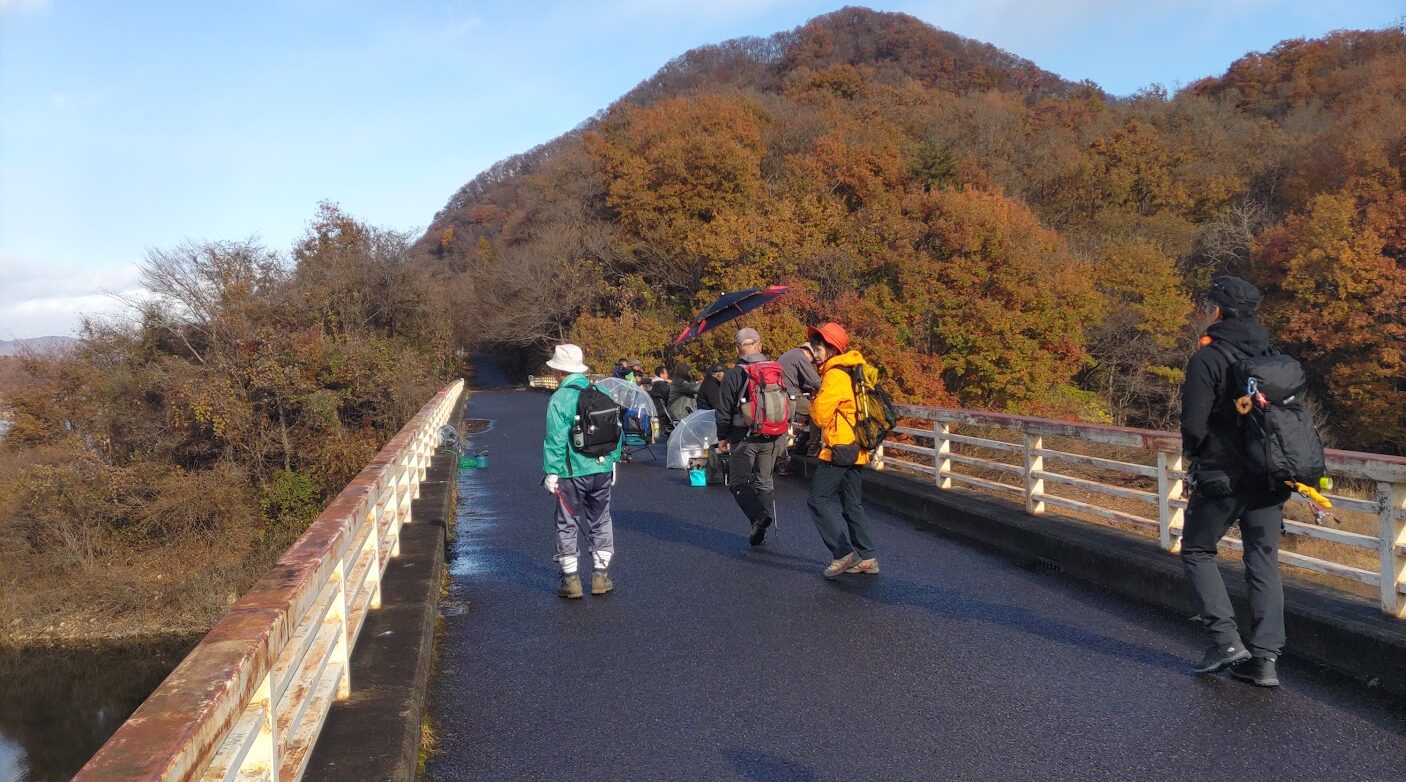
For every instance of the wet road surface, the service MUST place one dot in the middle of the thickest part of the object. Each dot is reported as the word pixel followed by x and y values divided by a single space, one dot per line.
pixel 715 661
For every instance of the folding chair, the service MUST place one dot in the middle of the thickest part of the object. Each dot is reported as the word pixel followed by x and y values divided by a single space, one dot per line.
pixel 639 435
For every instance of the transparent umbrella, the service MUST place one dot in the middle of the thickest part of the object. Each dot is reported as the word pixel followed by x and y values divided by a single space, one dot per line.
pixel 631 396
pixel 692 436
pixel 639 409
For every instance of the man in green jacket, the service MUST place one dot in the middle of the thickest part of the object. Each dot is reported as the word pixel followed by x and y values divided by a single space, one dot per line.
pixel 580 483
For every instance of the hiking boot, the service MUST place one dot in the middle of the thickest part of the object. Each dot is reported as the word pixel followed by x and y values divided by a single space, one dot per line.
pixel 841 565
pixel 869 566
pixel 600 582
pixel 570 586
pixel 759 530
pixel 1258 671
pixel 1218 658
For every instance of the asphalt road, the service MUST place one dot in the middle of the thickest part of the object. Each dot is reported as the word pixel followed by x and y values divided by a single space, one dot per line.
pixel 714 661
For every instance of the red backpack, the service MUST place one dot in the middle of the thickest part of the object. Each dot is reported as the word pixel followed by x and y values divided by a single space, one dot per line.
pixel 766 405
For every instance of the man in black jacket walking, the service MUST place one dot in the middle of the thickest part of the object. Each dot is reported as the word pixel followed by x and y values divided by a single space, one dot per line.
pixel 752 457
pixel 1224 493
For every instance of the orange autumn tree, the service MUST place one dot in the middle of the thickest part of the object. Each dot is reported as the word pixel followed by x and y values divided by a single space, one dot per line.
pixel 1338 305
pixel 681 179
pixel 998 296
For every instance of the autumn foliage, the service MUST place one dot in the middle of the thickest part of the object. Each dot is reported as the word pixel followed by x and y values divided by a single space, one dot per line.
pixel 158 467
pixel 995 236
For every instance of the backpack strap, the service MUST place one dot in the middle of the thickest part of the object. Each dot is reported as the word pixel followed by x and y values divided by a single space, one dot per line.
pixel 853 389
pixel 575 422
pixel 1232 353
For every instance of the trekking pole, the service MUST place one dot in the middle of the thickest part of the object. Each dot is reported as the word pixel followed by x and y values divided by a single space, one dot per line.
pixel 566 506
pixel 561 498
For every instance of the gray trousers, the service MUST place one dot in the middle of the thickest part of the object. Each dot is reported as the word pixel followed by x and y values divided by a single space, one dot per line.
pixel 1260 515
pixel 750 467
pixel 589 501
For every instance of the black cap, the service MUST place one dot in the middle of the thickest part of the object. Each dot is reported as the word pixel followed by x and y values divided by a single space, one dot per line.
pixel 1235 294
pixel 716 368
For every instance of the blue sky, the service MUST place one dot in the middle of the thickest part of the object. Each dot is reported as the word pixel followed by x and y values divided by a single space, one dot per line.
pixel 132 125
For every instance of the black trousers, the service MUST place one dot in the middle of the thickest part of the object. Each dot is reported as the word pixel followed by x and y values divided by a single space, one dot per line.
pixel 1260 515
pixel 837 506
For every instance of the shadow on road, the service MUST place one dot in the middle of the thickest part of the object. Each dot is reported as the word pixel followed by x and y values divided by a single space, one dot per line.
pixel 762 766
pixel 671 529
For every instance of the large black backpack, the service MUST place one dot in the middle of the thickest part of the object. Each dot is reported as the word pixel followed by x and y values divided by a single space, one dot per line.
pixel 1281 442
pixel 597 429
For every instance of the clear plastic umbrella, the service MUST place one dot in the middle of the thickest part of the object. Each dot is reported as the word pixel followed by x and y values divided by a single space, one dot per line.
pixel 691 438
pixel 639 408
pixel 631 396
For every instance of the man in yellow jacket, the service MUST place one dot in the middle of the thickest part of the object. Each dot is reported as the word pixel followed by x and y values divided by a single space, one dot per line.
pixel 836 491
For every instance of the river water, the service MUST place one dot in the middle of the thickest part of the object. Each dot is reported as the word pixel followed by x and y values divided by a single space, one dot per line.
pixel 58 706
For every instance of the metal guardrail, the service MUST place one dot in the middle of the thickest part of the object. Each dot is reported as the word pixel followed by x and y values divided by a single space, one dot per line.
pixel 1030 466
pixel 551 384
pixel 250 700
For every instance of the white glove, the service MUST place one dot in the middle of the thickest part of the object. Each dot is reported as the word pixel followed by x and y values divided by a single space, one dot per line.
pixel 550 482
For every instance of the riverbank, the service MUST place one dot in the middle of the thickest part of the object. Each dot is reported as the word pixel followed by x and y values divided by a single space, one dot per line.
pixel 177 591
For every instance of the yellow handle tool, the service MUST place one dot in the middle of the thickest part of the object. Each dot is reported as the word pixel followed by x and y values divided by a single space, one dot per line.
pixel 1311 493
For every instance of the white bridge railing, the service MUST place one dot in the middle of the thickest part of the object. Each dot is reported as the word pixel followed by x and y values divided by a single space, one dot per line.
pixel 250 700
pixel 1032 465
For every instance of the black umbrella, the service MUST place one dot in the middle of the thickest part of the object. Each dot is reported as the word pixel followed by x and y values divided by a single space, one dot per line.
pixel 727 307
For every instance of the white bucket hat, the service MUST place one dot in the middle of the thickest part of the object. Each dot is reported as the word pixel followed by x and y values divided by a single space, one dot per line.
pixel 568 358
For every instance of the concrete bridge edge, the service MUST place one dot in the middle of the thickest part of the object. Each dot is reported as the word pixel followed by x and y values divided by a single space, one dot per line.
pixel 375 734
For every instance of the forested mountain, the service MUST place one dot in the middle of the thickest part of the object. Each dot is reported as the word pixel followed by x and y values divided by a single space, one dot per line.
pixel 35 344
pixel 995 236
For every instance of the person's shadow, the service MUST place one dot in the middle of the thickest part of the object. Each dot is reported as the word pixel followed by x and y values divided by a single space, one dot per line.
pixel 670 529
pixel 945 602
pixel 752 763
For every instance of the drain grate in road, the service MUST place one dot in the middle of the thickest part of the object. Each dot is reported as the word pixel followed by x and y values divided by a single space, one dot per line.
pixel 1043 565
pixel 475 425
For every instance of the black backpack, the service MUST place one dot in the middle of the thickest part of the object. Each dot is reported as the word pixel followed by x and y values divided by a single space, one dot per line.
pixel 1281 441
pixel 597 429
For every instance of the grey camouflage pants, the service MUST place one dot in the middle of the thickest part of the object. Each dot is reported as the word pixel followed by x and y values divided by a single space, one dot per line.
pixel 589 501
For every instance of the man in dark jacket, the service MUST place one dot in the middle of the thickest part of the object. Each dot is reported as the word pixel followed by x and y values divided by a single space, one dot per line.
pixel 752 458
pixel 708 391
pixel 803 380
pixel 1223 493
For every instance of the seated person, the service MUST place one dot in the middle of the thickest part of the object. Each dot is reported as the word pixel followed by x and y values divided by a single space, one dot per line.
pixel 683 392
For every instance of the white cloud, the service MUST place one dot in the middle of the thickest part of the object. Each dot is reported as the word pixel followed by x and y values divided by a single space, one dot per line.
pixel 20 6
pixel 38 300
